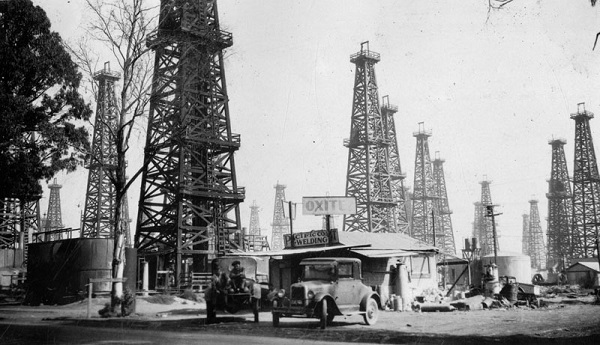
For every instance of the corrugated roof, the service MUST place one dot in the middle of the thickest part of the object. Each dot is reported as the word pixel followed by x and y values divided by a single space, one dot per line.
pixel 383 253
pixel 284 252
pixel 385 241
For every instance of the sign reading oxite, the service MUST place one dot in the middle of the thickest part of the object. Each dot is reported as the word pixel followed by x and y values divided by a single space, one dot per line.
pixel 312 238
pixel 322 205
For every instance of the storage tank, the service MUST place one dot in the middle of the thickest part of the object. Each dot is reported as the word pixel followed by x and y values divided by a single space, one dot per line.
pixel 60 269
pixel 511 264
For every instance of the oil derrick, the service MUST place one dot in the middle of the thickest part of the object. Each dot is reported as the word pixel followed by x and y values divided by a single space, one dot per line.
pixel 484 231
pixel 369 176
pixel 585 187
pixel 560 207
pixel 281 225
pixel 253 240
pixel 526 235
pixel 100 199
pixel 189 199
pixel 54 215
pixel 425 212
pixel 399 212
pixel 443 230
pixel 536 247
pixel 17 220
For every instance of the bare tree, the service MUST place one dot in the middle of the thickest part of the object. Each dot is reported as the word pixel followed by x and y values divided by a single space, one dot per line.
pixel 121 26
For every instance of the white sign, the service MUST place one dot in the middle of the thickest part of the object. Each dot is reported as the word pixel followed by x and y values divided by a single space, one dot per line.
pixel 322 205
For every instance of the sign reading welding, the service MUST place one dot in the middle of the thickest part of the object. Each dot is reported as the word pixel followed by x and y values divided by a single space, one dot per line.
pixel 323 205
pixel 312 238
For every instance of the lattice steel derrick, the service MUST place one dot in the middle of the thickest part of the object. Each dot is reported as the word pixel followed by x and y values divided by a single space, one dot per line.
pixel 100 199
pixel 280 225
pixel 444 231
pixel 54 215
pixel 425 212
pixel 399 211
pixel 585 187
pixel 526 235
pixel 485 227
pixel 537 249
pixel 17 221
pixel 560 208
pixel 189 187
pixel 478 214
pixel 254 241
pixel 369 175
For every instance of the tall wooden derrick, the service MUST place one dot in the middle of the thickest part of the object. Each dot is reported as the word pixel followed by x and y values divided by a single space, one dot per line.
pixel 189 199
pixel 370 177
pixel 400 211
pixel 425 212
pixel 54 215
pixel 536 247
pixel 19 217
pixel 100 198
pixel 280 225
pixel 526 235
pixel 560 208
pixel 254 241
pixel 586 193
pixel 443 230
pixel 484 228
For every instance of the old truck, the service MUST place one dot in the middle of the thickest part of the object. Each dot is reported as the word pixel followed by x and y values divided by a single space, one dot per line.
pixel 224 293
pixel 328 287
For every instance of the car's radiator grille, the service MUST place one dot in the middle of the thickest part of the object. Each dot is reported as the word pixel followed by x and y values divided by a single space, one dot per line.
pixel 298 293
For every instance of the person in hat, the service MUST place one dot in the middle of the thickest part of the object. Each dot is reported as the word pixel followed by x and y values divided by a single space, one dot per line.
pixel 237 277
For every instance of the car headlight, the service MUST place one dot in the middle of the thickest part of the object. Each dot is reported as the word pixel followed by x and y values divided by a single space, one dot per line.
pixel 310 295
pixel 281 293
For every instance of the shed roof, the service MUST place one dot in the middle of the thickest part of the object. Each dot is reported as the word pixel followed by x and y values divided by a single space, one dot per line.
pixel 385 241
pixel 586 265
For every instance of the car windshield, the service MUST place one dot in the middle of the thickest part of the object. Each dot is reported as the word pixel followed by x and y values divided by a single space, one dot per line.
pixel 319 272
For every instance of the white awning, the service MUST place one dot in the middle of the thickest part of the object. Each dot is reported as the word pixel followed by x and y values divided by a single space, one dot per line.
pixel 284 252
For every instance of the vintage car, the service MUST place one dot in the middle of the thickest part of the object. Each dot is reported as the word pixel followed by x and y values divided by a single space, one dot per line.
pixel 328 287
pixel 227 294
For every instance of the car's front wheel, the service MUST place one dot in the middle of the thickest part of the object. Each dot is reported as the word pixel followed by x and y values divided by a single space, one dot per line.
pixel 323 316
pixel 372 312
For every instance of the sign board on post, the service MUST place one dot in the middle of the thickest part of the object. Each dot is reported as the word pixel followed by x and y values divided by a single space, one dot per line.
pixel 328 205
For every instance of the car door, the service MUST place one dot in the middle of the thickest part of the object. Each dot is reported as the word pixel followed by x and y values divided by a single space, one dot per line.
pixel 347 288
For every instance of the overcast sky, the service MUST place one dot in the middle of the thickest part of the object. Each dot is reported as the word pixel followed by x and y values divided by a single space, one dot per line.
pixel 493 86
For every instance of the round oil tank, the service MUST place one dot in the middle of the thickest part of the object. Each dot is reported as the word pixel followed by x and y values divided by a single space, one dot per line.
pixel 511 264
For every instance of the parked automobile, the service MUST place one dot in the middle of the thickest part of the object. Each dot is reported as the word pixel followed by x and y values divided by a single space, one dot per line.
pixel 328 287
pixel 234 286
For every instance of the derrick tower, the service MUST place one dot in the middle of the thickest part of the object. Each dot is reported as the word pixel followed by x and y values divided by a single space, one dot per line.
pixel 526 235
pixel 54 215
pixel 484 228
pixel 189 199
pixel 586 191
pixel 281 225
pixel 560 207
pixel 369 176
pixel 18 217
pixel 444 233
pixel 425 212
pixel 400 211
pixel 254 241
pixel 537 250
pixel 100 197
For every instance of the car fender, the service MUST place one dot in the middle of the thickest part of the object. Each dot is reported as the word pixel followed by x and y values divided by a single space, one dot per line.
pixel 365 299
pixel 330 302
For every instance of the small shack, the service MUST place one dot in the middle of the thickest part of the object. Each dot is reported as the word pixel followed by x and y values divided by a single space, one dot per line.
pixel 382 256
pixel 584 272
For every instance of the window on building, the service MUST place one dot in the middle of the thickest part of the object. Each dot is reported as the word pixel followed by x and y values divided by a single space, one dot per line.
pixel 419 267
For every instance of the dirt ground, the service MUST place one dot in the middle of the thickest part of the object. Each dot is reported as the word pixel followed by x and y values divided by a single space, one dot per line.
pixel 562 319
